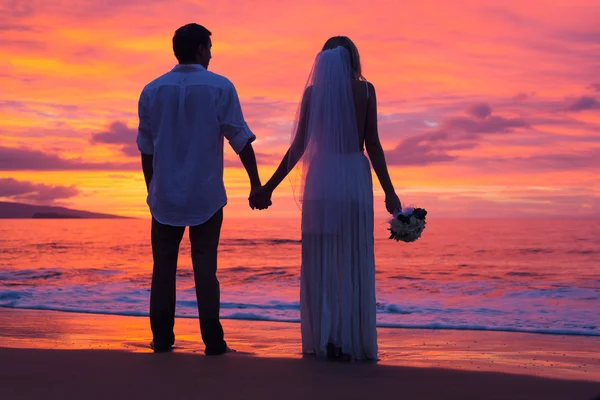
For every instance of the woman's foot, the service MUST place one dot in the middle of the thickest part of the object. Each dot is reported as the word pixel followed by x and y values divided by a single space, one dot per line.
pixel 343 357
pixel 335 353
pixel 332 351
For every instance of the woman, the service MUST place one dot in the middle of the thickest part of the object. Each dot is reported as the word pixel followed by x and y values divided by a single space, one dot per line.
pixel 337 120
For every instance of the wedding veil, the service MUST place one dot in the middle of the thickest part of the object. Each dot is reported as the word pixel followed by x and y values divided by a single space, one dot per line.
pixel 325 131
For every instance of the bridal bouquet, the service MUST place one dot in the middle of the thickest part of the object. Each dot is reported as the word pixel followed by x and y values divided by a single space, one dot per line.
pixel 408 224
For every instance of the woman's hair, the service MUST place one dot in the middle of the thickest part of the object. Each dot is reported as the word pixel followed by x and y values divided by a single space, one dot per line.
pixel 346 43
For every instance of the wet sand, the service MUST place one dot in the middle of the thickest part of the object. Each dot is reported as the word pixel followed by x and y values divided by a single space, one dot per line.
pixel 48 354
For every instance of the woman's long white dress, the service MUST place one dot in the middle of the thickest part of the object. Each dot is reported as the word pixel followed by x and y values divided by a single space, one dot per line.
pixel 337 292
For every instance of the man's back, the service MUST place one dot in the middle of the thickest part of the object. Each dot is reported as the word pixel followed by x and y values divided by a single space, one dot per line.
pixel 184 116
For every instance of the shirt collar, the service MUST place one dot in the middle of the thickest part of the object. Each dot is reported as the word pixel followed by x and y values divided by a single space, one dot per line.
pixel 194 67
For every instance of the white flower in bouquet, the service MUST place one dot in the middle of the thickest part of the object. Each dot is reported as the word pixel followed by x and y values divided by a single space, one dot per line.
pixel 408 224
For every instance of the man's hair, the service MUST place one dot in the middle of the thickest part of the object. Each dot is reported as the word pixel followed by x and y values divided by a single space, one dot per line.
pixel 186 41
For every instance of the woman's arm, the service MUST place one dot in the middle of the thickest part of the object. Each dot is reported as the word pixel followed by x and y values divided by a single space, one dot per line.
pixel 296 150
pixel 376 155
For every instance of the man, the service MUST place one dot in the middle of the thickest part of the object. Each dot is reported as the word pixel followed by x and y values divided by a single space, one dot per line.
pixel 184 115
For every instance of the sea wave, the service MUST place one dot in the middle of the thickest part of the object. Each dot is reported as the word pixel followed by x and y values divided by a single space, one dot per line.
pixel 288 312
pixel 29 274
pixel 249 316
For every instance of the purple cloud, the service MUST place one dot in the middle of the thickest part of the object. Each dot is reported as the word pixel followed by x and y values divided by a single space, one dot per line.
pixel 581 161
pixel 491 124
pixel 522 96
pixel 580 36
pixel 120 135
pixel 427 148
pixel 17 9
pixel 22 43
pixel 455 133
pixel 37 107
pixel 24 159
pixel 479 110
pixel 12 27
pixel 561 162
pixel 32 192
pixel 418 156
pixel 583 103
pixel 595 86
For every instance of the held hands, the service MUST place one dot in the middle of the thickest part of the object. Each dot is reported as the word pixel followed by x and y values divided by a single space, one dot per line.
pixel 392 203
pixel 260 198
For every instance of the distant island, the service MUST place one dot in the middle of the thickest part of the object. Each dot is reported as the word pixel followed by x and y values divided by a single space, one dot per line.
pixel 21 210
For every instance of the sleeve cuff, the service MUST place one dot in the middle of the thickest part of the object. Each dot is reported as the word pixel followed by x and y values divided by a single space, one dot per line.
pixel 145 146
pixel 239 137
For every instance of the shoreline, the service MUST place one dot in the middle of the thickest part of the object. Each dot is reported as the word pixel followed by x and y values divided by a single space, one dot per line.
pixel 548 356
pixel 430 327
pixel 52 354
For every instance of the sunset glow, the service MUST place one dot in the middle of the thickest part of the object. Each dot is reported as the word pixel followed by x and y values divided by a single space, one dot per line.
pixel 488 109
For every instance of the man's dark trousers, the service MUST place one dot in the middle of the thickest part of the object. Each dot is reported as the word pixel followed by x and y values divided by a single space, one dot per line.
pixel 204 241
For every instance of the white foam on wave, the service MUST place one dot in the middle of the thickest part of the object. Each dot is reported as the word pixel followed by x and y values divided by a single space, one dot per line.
pixel 467 327
pixel 249 316
pixel 294 318
pixel 554 308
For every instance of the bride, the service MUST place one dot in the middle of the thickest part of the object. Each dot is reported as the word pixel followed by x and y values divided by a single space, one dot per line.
pixel 336 122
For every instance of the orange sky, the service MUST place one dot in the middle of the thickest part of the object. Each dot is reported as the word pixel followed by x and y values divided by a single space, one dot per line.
pixel 489 110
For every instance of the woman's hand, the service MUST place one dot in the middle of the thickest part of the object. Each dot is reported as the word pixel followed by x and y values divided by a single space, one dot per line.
pixel 392 203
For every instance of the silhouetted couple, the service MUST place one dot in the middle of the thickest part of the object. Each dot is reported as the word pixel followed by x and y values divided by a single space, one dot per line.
pixel 184 116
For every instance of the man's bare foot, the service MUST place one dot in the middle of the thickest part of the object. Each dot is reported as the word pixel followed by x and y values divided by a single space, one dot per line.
pixel 218 353
pixel 160 349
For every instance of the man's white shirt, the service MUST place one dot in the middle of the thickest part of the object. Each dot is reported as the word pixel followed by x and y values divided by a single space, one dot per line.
pixel 184 116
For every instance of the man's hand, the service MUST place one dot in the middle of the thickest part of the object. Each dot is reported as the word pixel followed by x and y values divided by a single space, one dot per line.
pixel 260 198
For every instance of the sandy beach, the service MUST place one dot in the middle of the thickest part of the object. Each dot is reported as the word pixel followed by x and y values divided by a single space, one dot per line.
pixel 73 356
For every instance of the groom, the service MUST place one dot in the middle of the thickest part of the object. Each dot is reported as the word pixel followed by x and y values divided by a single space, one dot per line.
pixel 183 117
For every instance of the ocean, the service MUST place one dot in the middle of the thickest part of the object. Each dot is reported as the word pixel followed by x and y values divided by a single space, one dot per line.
pixel 524 275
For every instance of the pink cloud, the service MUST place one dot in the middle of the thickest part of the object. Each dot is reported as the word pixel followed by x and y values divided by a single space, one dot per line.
pixel 25 159
pixel 522 96
pixel 455 133
pixel 428 148
pixel 491 124
pixel 67 73
pixel 37 193
pixel 554 161
pixel 36 107
pixel 583 103
pixel 479 110
pixel 119 134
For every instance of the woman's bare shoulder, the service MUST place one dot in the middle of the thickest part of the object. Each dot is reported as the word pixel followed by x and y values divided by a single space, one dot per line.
pixel 370 85
pixel 364 84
